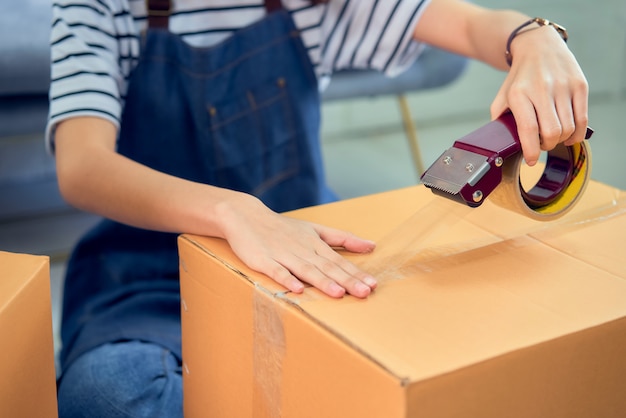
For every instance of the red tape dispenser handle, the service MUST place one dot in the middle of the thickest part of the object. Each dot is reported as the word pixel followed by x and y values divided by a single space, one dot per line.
pixel 472 168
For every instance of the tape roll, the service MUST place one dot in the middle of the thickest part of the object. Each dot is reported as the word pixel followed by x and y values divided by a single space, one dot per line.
pixel 566 174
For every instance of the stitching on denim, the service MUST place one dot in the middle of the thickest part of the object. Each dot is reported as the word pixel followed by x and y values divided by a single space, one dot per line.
pixel 259 106
pixel 292 150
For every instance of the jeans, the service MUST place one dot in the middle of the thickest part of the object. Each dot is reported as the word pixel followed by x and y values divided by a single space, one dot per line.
pixel 125 379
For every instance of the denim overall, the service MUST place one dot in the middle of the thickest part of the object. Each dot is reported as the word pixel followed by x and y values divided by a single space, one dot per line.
pixel 243 115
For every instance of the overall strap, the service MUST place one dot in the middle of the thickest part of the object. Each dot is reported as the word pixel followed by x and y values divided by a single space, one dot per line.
pixel 159 10
pixel 158 13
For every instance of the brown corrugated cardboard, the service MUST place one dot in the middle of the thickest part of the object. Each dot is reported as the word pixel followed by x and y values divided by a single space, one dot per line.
pixel 479 313
pixel 27 383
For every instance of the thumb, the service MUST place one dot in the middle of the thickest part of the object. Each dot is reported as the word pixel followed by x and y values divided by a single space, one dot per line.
pixel 350 242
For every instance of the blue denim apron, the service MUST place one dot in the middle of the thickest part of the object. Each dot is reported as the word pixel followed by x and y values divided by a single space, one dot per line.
pixel 242 115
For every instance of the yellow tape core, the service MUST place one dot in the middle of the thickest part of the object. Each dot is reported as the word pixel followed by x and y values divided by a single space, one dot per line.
pixel 578 181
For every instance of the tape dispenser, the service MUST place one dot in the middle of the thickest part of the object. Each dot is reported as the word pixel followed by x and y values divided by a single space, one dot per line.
pixel 473 168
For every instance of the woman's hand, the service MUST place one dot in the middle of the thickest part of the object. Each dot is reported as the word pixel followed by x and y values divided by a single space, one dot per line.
pixel 545 90
pixel 293 252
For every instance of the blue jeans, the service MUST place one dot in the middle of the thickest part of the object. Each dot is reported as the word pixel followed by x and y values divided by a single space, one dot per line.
pixel 125 379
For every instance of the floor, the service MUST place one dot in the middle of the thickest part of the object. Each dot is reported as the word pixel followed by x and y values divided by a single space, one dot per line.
pixel 366 152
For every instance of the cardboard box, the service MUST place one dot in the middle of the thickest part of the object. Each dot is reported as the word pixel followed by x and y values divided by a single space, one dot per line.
pixel 479 313
pixel 28 379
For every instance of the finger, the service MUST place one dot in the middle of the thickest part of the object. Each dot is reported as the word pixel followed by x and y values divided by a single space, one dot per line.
pixel 323 268
pixel 291 271
pixel 282 276
pixel 581 116
pixel 527 128
pixel 556 115
pixel 350 277
pixel 578 135
pixel 337 238
pixel 312 272
pixel 355 281
pixel 566 119
pixel 332 274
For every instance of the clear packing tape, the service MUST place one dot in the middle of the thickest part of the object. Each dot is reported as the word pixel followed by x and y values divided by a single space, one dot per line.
pixel 415 245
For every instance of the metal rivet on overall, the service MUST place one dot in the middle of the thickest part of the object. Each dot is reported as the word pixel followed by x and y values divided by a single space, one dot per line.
pixel 477 196
pixel 447 160
pixel 469 167
pixel 281 82
pixel 212 111
pixel 499 161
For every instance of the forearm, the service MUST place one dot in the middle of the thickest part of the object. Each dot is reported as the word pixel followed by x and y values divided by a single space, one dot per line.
pixel 93 177
pixel 469 30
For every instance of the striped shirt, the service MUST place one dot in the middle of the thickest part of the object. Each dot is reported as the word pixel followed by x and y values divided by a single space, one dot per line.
pixel 95 43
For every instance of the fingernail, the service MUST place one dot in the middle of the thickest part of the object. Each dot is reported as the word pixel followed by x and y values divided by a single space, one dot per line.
pixel 362 288
pixel 337 290
pixel 370 281
pixel 297 287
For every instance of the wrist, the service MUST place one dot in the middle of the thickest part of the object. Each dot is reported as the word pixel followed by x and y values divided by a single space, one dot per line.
pixel 521 29
pixel 235 209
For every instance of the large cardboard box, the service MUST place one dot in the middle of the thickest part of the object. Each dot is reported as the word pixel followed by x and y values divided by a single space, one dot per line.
pixel 27 374
pixel 479 313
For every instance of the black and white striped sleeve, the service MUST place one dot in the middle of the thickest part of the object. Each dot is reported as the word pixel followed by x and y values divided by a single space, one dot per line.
pixel 86 70
pixel 370 34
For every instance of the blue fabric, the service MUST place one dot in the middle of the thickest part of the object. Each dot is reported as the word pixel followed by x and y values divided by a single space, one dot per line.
pixel 99 383
pixel 434 68
pixel 242 115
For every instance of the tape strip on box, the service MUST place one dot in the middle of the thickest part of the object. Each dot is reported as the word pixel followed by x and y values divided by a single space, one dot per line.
pixel 269 350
